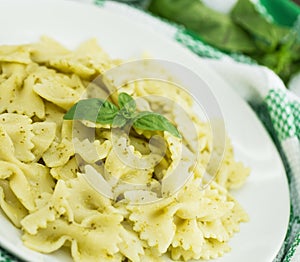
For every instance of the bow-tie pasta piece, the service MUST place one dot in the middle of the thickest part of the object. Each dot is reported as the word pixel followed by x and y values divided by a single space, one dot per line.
pixel 75 199
pixel 60 89
pixel 19 129
pixel 27 101
pixel 7 149
pixel 154 223
pixel 213 248
pixel 84 239
pixel 19 184
pixel 232 220
pixel 46 49
pixel 188 236
pixel 55 115
pixel 92 152
pixel 123 162
pixel 214 229
pixel 88 61
pixel 58 154
pixel 52 210
pixel 39 178
pixel 10 204
pixel 67 171
pixel 232 173
pixel 44 134
pixel 16 94
pixel 152 255
pixel 202 204
pixel 14 69
pixel 131 246
pixel 18 54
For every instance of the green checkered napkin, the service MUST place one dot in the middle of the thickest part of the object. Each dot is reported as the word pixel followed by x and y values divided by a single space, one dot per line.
pixel 278 109
pixel 283 110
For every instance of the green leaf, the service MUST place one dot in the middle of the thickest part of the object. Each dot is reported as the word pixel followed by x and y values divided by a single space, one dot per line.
pixel 155 122
pixel 99 111
pixel 107 113
pixel 119 121
pixel 127 103
pixel 266 35
pixel 213 27
pixel 94 109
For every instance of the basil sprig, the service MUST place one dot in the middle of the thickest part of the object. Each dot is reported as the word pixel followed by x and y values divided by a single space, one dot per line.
pixel 104 112
pixel 94 110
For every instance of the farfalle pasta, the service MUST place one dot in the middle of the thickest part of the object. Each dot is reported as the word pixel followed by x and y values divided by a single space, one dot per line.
pixel 45 162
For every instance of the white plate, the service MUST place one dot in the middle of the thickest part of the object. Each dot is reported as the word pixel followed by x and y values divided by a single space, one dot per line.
pixel 265 195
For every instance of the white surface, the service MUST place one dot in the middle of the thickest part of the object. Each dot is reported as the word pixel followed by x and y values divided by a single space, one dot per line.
pixel 252 82
pixel 265 195
pixel 294 84
pixel 220 5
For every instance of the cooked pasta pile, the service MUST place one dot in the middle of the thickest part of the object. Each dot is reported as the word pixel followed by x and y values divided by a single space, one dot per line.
pixel 43 190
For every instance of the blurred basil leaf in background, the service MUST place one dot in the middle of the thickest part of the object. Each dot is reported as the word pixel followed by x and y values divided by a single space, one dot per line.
pixel 244 30
pixel 215 28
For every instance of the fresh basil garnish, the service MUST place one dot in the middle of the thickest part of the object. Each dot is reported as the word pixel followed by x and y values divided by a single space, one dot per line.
pixel 119 121
pixel 102 111
pixel 127 103
pixel 154 122
pixel 93 109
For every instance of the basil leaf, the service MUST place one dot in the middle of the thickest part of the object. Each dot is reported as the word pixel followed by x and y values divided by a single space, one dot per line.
pixel 211 26
pixel 267 36
pixel 127 103
pixel 119 121
pixel 94 109
pixel 107 113
pixel 155 122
